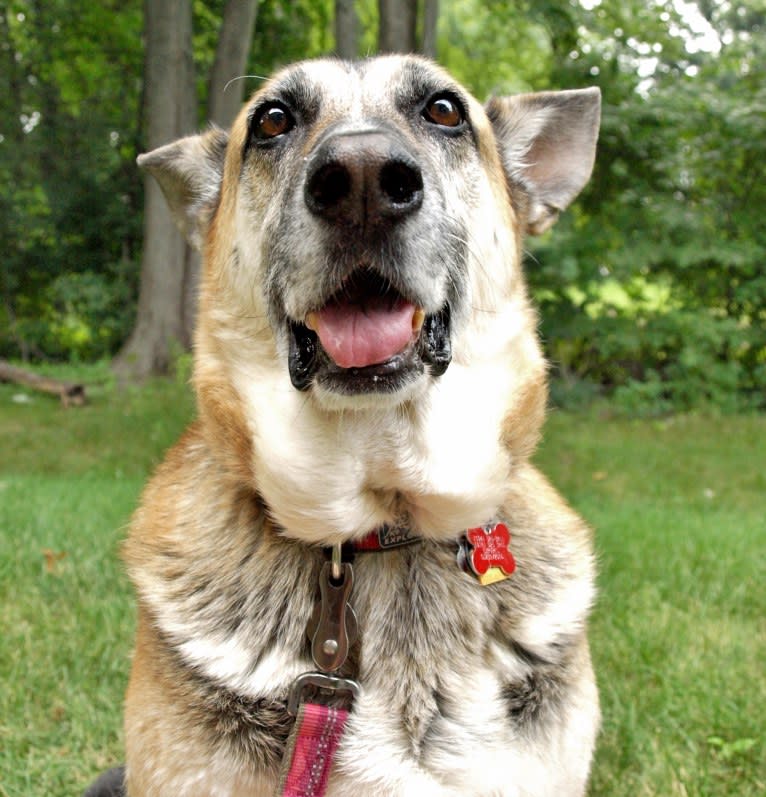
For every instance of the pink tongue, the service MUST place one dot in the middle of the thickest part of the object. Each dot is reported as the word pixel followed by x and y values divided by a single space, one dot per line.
pixel 356 336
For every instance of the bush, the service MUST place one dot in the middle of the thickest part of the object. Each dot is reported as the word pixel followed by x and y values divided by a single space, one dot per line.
pixel 79 316
pixel 661 362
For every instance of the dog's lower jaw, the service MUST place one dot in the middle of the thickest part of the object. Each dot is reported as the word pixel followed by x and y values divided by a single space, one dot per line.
pixel 382 384
pixel 339 396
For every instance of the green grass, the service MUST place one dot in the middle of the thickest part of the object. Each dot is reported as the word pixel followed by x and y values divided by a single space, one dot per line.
pixel 678 635
pixel 69 479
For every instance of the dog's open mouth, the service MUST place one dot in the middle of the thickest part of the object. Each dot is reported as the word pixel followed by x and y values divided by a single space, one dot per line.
pixel 368 338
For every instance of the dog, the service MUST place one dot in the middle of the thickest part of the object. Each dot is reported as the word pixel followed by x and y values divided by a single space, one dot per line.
pixel 367 368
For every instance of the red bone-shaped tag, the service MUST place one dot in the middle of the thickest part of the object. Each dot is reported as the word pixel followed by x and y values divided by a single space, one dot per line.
pixel 490 548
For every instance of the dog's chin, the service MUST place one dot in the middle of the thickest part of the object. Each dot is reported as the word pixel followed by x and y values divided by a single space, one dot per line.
pixel 386 383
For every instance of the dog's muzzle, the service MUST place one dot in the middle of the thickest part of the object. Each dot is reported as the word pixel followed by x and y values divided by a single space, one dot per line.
pixel 372 334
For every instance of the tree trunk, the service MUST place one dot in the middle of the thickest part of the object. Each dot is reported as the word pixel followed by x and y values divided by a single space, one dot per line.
pixel 170 112
pixel 346 29
pixel 398 25
pixel 167 302
pixel 188 122
pixel 430 18
pixel 224 98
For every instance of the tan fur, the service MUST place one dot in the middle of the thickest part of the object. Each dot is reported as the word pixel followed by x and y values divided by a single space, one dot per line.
pixel 466 689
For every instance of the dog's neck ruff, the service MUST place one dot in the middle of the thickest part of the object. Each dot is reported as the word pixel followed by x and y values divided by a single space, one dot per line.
pixel 320 721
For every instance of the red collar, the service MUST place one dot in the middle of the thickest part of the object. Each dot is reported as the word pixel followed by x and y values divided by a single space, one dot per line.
pixel 384 538
pixel 483 551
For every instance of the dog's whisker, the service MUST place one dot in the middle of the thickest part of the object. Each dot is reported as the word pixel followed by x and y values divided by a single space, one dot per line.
pixel 248 317
pixel 486 310
pixel 301 407
pixel 530 255
pixel 471 250
pixel 243 77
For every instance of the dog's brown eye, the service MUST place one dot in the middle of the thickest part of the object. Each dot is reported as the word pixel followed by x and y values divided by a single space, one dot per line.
pixel 444 111
pixel 273 121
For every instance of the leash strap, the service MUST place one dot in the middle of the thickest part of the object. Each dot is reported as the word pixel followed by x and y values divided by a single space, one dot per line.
pixel 311 749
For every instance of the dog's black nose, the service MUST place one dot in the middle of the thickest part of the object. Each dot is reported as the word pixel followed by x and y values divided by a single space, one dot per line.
pixel 361 178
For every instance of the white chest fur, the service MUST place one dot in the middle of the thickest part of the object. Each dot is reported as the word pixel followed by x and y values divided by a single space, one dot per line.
pixel 438 457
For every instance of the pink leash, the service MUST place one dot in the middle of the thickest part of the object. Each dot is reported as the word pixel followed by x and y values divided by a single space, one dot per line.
pixel 311 749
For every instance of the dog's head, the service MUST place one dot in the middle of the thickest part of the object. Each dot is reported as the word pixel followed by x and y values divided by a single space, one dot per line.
pixel 361 226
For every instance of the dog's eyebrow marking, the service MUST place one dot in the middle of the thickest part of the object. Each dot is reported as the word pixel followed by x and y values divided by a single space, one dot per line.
pixel 419 82
pixel 297 91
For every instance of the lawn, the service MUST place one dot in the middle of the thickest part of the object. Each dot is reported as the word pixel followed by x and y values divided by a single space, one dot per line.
pixel 678 635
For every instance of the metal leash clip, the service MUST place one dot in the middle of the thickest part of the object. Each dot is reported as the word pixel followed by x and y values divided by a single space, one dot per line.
pixel 333 627
pixel 332 630
pixel 327 686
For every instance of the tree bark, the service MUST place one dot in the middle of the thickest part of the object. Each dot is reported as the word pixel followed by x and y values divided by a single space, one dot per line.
pixel 398 26
pixel 167 302
pixel 430 19
pixel 346 29
pixel 224 98
pixel 170 112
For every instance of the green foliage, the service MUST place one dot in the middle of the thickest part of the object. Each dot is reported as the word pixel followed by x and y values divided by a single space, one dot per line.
pixel 662 362
pixel 674 207
pixel 69 97
pixel 86 315
pixel 291 31
pixel 496 47
pixel 675 204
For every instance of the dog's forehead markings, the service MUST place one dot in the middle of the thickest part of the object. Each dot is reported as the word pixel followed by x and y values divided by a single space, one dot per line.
pixel 404 80
pixel 412 80
pixel 316 86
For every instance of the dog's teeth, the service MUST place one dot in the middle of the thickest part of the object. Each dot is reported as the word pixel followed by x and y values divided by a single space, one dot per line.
pixel 311 321
pixel 417 319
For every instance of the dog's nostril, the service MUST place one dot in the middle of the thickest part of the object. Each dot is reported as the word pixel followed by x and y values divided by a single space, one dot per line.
pixel 329 185
pixel 361 180
pixel 401 184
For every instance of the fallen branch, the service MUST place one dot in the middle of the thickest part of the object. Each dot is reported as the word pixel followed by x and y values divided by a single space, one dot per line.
pixel 70 393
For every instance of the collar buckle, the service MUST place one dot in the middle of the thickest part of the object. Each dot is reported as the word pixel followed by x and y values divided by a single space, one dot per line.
pixel 327 690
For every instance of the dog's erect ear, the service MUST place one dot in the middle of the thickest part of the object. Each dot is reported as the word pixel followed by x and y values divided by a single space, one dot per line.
pixel 189 172
pixel 548 143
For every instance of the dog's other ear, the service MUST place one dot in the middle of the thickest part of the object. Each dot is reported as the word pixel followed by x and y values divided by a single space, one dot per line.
pixel 189 172
pixel 548 144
